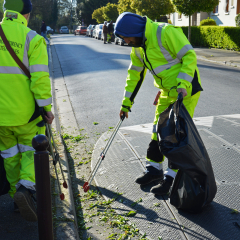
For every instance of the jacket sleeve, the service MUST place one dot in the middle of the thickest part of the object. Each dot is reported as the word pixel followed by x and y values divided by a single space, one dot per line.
pixel 40 81
pixel 136 75
pixel 177 43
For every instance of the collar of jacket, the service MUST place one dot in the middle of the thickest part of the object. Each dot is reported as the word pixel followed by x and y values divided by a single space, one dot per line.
pixel 20 18
pixel 147 31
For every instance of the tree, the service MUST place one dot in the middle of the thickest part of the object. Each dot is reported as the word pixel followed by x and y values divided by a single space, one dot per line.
pixel 1 9
pixel 85 9
pixel 189 7
pixel 153 8
pixel 98 15
pixel 125 6
pixel 110 12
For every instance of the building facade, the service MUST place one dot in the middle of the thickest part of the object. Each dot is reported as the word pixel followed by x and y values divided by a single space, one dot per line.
pixel 224 14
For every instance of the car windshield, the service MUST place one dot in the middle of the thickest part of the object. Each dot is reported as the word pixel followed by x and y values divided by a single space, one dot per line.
pixel 64 27
pixel 83 27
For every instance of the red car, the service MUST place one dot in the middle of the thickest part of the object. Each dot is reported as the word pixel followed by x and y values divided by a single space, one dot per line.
pixel 80 30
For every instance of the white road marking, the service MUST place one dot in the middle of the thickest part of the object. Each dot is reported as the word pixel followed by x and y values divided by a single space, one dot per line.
pixel 200 121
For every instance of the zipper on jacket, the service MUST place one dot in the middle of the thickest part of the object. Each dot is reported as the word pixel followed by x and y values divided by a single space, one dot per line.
pixel 150 64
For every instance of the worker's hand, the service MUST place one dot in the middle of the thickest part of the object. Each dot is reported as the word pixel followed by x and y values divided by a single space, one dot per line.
pixel 49 117
pixel 183 91
pixel 121 113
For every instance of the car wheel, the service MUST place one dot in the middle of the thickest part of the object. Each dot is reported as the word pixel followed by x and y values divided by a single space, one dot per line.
pixel 116 42
pixel 121 43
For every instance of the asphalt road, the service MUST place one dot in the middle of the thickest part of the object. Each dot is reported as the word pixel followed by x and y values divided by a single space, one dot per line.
pixel 95 76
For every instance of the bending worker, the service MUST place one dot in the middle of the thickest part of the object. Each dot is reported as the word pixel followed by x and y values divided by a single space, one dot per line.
pixel 20 100
pixel 166 52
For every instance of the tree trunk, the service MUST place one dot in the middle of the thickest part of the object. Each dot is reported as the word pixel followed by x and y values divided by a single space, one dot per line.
pixel 189 29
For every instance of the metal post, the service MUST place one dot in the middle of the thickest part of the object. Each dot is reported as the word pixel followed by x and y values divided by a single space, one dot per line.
pixel 43 187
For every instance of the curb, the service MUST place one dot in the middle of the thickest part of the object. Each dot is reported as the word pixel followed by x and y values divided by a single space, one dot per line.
pixel 226 63
pixel 65 215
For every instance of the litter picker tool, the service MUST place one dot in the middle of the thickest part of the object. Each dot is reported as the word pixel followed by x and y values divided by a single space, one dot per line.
pixel 54 154
pixel 86 185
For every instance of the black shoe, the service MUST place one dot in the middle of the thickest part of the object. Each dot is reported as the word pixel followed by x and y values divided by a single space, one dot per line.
pixel 149 176
pixel 163 187
pixel 109 42
pixel 26 204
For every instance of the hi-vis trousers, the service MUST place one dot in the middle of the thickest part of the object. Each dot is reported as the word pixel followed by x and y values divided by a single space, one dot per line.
pixel 18 153
pixel 154 156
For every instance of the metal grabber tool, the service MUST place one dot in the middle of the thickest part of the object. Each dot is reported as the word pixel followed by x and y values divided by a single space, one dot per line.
pixel 86 185
pixel 55 154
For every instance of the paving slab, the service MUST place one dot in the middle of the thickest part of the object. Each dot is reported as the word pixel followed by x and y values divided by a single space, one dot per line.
pixel 156 217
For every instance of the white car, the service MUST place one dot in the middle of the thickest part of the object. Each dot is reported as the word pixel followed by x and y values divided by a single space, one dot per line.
pixel 64 29
pixel 98 31
pixel 49 30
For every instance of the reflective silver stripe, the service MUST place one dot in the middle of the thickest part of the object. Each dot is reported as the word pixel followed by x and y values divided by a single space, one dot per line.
pixel 25 148
pixel 38 68
pixel 158 166
pixel 44 102
pixel 154 128
pixel 27 184
pixel 132 67
pixel 11 70
pixel 138 54
pixel 161 68
pixel 184 50
pixel 165 53
pixel 127 94
pixel 185 76
pixel 29 38
pixel 11 152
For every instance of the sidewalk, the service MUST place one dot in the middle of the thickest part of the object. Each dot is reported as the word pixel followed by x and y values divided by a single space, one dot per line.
pixel 220 56
pixel 155 216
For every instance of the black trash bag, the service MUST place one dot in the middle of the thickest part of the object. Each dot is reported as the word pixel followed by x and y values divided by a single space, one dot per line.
pixel 4 184
pixel 194 186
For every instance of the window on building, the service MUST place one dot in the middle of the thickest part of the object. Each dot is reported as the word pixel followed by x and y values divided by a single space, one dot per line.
pixel 232 3
pixel 215 10
pixel 227 6
pixel 179 16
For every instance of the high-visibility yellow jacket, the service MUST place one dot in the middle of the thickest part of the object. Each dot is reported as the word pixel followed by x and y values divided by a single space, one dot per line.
pixel 170 58
pixel 20 96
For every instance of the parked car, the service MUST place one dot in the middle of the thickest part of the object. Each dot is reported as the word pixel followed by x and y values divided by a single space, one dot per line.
pixel 80 30
pixel 64 29
pixel 113 36
pixel 94 31
pixel 76 31
pixel 89 30
pixel 119 40
pixel 98 31
pixel 49 30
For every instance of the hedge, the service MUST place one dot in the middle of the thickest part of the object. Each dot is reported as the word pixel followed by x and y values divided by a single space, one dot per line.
pixel 215 37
